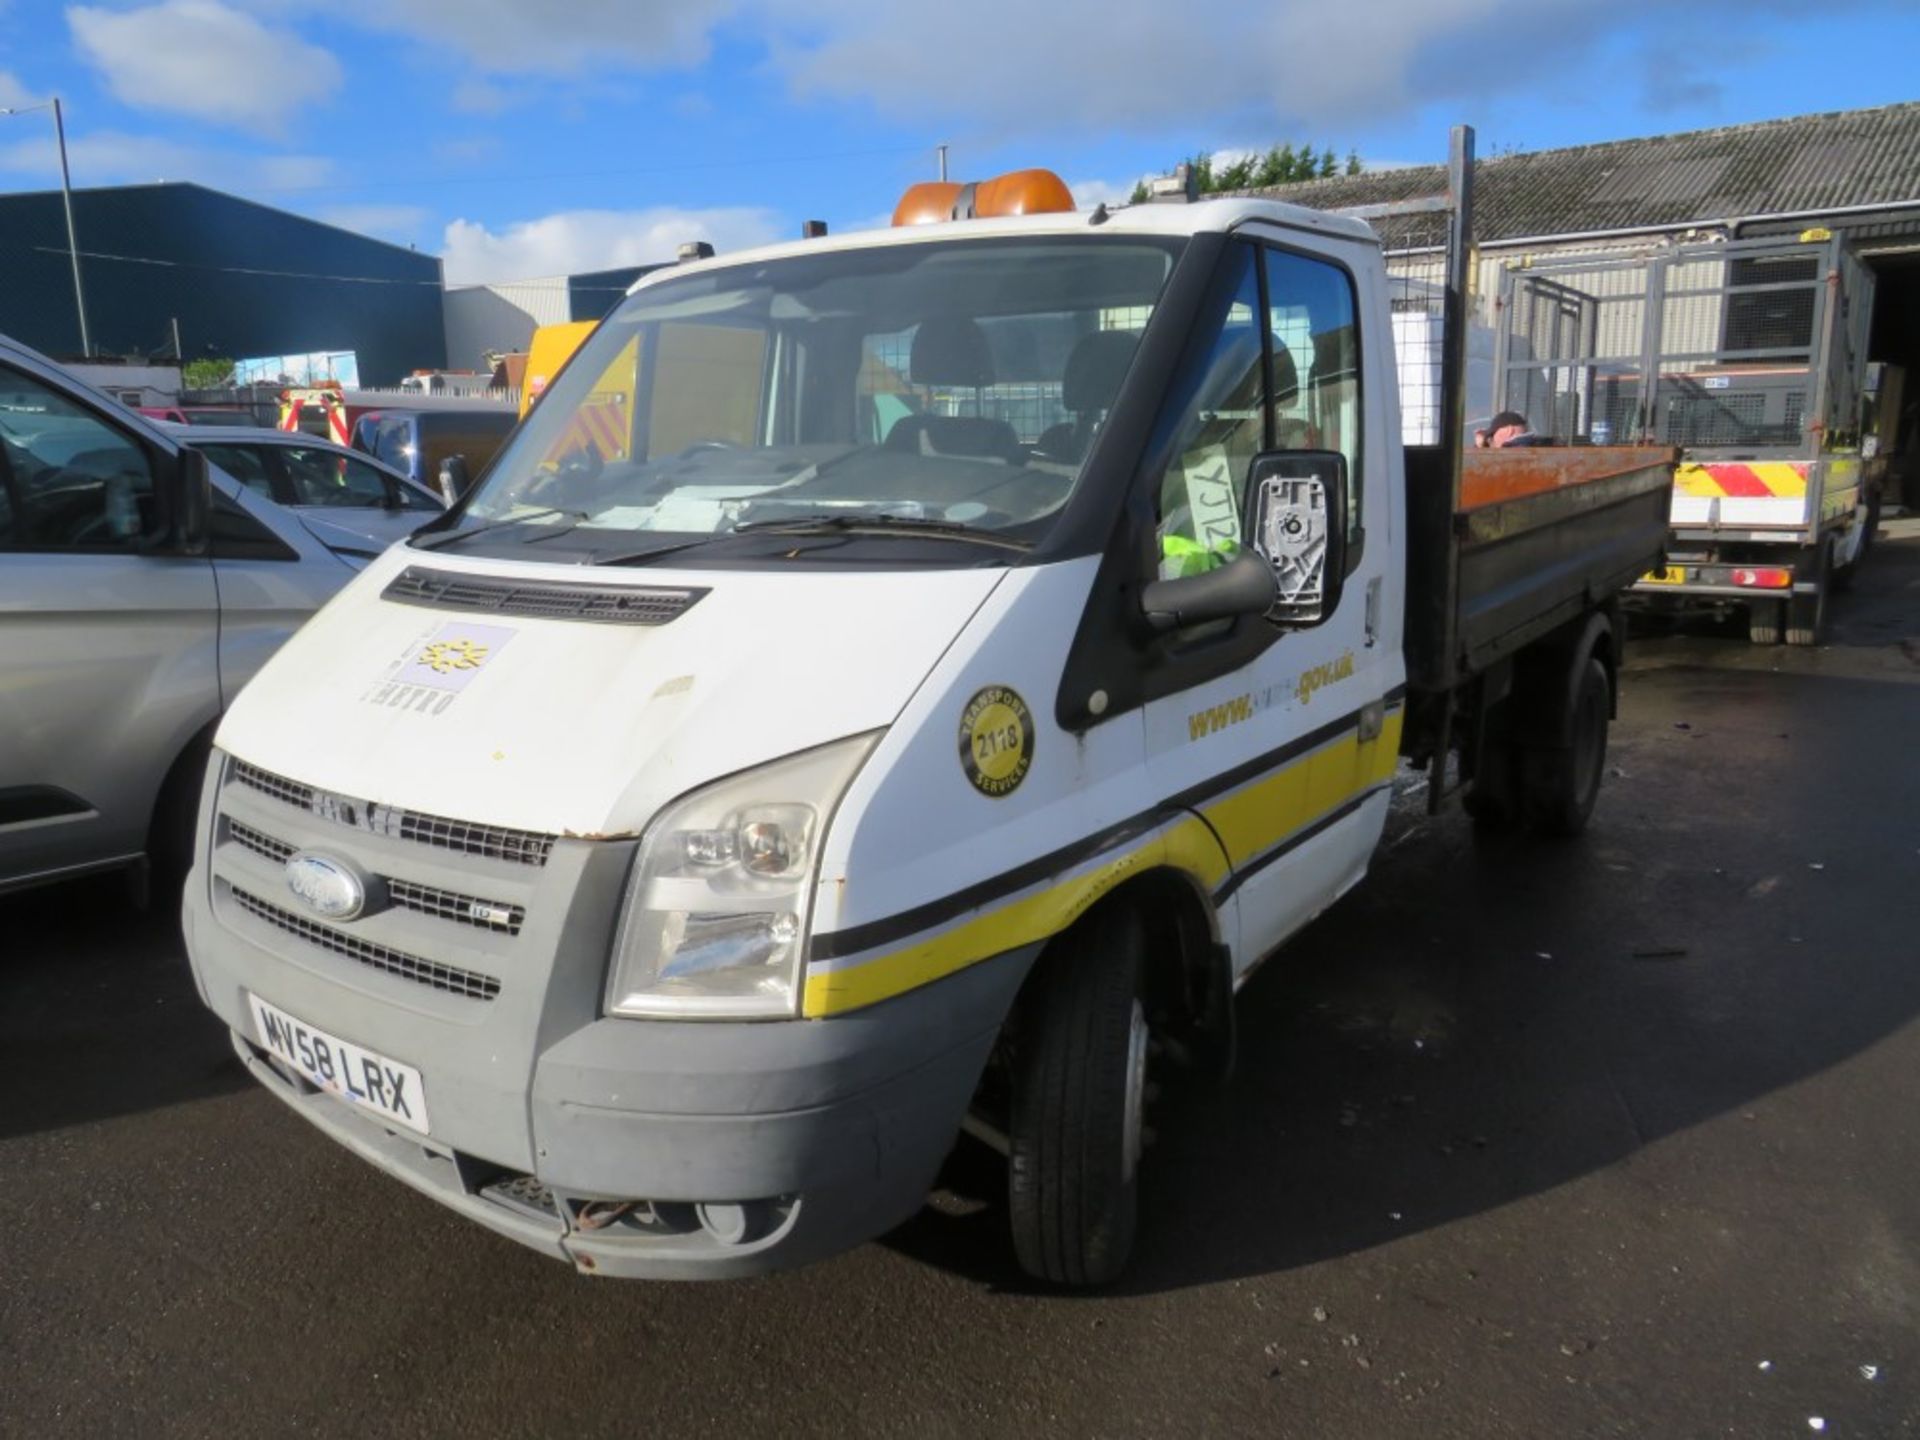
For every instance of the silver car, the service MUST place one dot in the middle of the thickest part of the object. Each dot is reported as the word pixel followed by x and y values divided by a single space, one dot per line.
pixel 351 501
pixel 139 590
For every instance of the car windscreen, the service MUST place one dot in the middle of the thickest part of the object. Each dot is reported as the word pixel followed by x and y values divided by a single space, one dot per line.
pixel 957 383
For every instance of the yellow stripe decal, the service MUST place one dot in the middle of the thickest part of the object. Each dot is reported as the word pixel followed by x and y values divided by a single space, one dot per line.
pixel 1251 820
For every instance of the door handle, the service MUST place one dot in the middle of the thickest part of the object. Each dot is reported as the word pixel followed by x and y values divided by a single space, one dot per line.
pixel 1373 611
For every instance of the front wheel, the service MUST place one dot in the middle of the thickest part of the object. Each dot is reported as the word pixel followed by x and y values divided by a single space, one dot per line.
pixel 1079 1091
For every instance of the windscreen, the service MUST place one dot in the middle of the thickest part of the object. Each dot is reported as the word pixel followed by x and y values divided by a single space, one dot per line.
pixel 958 383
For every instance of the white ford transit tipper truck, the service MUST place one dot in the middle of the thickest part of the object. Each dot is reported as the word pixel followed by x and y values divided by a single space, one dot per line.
pixel 889 683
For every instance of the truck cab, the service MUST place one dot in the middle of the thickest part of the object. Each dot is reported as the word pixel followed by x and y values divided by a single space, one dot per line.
pixel 888 683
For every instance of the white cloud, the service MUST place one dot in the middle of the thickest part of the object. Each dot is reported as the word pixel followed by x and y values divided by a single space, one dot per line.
pixel 575 240
pixel 203 59
pixel 480 97
pixel 515 37
pixel 1141 67
pixel 14 95
pixel 1089 193
pixel 107 157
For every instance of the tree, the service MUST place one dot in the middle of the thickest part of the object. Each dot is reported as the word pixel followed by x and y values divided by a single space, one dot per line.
pixel 1281 164
pixel 206 374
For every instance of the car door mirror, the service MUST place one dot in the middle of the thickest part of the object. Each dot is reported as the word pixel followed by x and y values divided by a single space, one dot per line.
pixel 1299 503
pixel 189 503
pixel 1242 586
pixel 453 478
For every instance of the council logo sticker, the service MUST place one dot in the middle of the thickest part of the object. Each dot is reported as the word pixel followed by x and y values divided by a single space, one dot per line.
pixel 996 741
pixel 437 667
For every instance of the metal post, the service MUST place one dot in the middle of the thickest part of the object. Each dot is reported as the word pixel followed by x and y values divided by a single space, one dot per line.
pixel 943 160
pixel 73 243
pixel 1453 365
pixel 177 353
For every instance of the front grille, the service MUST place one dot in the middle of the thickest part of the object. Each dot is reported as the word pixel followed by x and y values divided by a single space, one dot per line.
pixel 267 783
pixel 276 850
pixel 450 978
pixel 497 842
pixel 494 915
pixel 608 604
pixel 462 909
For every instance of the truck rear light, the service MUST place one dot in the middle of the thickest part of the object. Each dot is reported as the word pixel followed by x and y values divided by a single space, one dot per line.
pixel 1765 577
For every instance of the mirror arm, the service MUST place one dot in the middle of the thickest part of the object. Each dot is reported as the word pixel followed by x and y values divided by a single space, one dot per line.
pixel 1243 586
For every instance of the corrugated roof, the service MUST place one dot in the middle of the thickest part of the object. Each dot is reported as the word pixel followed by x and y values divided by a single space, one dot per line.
pixel 1809 163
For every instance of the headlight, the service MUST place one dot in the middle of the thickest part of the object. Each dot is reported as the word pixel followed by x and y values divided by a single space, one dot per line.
pixel 715 919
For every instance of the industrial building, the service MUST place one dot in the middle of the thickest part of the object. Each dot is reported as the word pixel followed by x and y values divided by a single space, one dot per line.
pixel 229 277
pixel 1855 173
pixel 486 320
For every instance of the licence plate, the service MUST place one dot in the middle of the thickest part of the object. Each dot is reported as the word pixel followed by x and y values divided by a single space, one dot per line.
pixel 357 1075
pixel 1666 575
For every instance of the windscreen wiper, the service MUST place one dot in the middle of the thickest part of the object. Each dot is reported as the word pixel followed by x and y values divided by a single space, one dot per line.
pixel 880 523
pixel 438 542
pixel 827 525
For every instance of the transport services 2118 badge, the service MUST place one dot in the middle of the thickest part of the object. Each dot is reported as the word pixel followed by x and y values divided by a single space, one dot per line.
pixel 996 741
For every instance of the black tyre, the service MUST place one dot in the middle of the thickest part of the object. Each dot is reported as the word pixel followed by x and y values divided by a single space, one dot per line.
pixel 1763 622
pixel 1564 783
pixel 174 828
pixel 1079 1089
pixel 1843 575
pixel 1807 614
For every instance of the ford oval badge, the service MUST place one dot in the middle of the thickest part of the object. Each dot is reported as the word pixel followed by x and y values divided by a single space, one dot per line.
pixel 326 886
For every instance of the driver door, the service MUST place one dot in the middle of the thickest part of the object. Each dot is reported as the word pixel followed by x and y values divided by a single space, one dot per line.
pixel 1278 735
pixel 108 648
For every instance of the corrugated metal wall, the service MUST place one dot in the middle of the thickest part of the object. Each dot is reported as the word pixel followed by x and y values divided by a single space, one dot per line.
pixel 242 280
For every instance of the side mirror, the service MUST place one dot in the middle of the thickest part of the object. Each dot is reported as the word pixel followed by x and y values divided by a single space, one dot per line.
pixel 1299 501
pixel 453 478
pixel 190 502
pixel 1242 586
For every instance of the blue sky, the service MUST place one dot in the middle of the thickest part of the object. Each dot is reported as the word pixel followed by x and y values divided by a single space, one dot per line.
pixel 521 138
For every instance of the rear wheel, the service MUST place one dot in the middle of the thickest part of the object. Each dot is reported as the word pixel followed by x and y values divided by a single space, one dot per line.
pixel 1869 523
pixel 1564 783
pixel 1807 614
pixel 1079 1091
pixel 1763 622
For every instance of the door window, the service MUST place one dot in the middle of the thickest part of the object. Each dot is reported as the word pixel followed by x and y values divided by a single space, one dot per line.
pixel 1218 424
pixel 68 480
pixel 326 477
pixel 1316 364
pixel 247 464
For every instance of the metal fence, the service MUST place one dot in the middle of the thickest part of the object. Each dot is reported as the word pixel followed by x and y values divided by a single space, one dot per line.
pixel 1741 344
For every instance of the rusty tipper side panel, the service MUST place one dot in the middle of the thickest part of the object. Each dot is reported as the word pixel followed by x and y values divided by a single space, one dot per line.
pixel 1544 534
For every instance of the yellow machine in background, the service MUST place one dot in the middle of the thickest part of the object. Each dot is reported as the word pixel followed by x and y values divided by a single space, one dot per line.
pixel 552 347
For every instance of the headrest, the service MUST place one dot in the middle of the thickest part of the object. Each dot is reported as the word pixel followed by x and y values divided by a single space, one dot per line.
pixel 967 436
pixel 1095 368
pixel 950 350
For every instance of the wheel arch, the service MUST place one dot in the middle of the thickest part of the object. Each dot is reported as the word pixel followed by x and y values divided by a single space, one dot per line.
pixel 1189 967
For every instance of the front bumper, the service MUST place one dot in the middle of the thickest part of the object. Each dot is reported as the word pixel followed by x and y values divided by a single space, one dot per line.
pixel 656 1149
